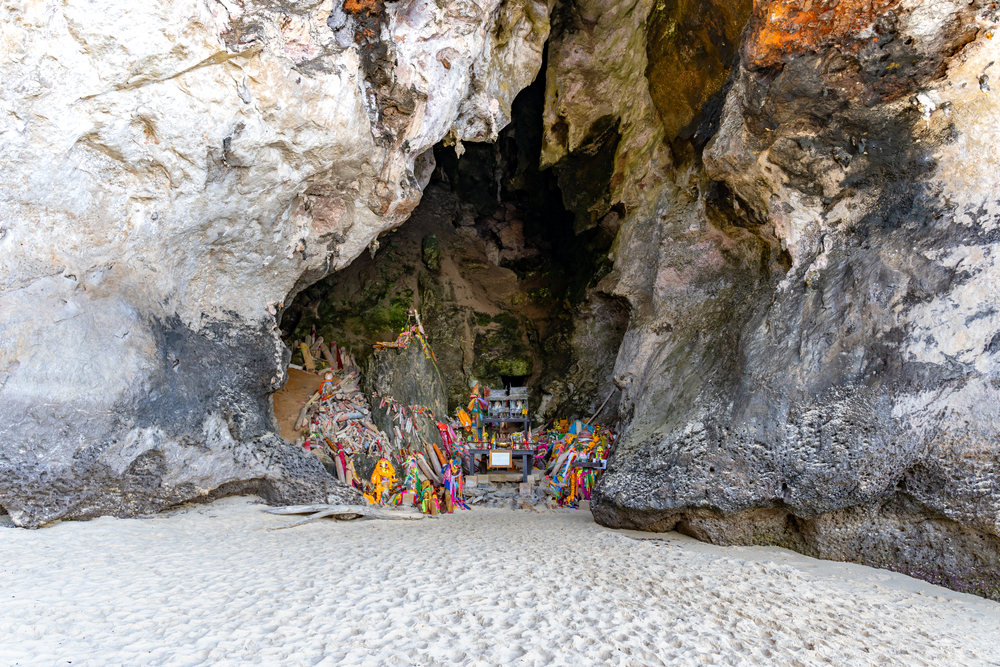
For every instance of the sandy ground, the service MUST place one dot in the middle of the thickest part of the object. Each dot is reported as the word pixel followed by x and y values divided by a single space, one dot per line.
pixel 211 585
pixel 288 402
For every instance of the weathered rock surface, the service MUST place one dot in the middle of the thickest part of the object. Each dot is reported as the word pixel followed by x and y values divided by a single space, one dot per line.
pixel 811 357
pixel 170 174
pixel 802 199
pixel 408 377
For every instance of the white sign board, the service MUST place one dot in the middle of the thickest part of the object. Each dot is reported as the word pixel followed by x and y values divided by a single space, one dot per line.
pixel 500 460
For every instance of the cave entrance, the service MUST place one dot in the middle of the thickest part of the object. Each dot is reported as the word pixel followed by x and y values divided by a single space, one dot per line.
pixel 509 381
pixel 497 266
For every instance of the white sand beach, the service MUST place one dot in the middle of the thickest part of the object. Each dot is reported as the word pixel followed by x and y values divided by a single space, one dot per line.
pixel 211 585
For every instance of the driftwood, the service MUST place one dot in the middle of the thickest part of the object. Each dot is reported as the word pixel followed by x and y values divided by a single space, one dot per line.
pixel 339 512
pixel 303 416
pixel 298 509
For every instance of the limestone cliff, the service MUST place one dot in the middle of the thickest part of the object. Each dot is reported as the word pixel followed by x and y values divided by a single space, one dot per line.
pixel 799 201
pixel 812 356
pixel 171 174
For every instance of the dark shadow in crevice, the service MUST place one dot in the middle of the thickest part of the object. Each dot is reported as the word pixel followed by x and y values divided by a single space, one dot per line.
pixel 509 381
pixel 488 175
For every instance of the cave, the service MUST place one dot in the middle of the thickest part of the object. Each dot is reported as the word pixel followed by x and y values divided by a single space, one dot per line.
pixel 767 232
pixel 497 265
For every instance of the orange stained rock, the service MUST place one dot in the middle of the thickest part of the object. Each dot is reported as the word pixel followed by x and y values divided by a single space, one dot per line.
pixel 780 29
pixel 358 6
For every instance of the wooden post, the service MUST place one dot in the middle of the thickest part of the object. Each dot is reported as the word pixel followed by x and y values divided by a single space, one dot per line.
pixel 307 359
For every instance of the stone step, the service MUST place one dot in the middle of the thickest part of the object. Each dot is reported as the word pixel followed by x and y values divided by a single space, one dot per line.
pixel 495 477
pixel 504 476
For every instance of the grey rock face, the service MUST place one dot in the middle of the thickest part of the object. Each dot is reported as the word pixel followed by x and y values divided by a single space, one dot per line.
pixel 196 426
pixel 171 175
pixel 410 378
pixel 810 358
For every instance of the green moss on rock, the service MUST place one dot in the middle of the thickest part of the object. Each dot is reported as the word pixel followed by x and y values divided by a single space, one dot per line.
pixel 431 252
pixel 501 350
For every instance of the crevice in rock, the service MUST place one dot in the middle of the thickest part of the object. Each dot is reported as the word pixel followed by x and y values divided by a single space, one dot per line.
pixel 513 380
pixel 585 175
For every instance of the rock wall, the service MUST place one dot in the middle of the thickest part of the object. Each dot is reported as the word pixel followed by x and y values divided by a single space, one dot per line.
pixel 802 198
pixel 409 377
pixel 170 175
pixel 812 352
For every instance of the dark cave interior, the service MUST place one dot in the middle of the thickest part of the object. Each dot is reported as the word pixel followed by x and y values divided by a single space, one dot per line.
pixel 497 265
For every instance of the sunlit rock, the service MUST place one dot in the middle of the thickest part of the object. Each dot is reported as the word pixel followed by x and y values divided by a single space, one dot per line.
pixel 170 174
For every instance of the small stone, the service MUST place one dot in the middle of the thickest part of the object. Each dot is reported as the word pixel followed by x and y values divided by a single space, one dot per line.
pixel 512 235
pixel 466 216
pixel 493 253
